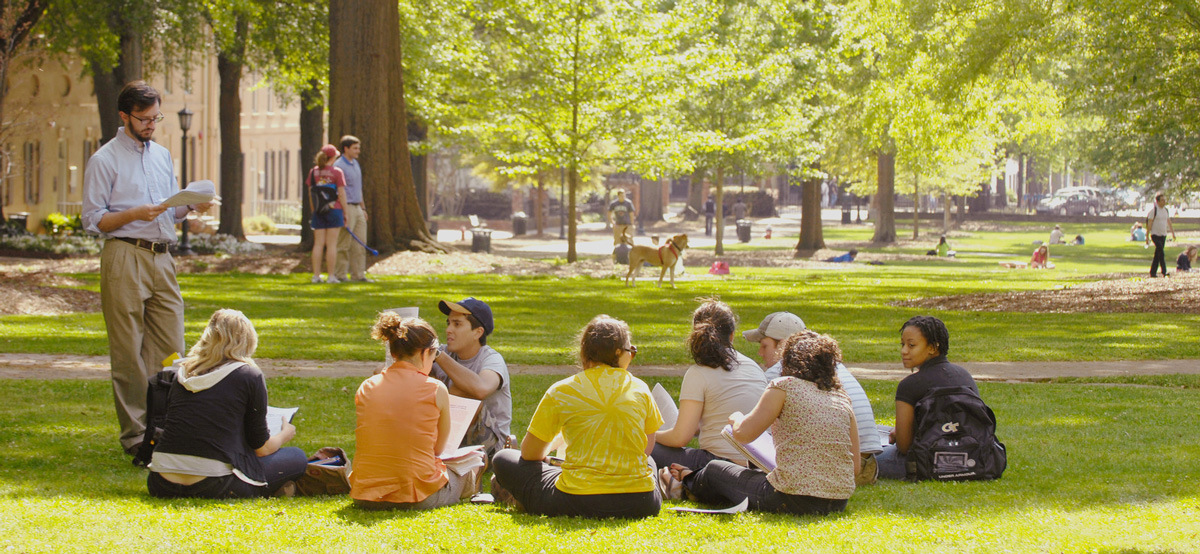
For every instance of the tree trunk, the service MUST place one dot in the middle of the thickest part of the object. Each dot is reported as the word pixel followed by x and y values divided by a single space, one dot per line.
pixel 108 83
pixel 539 216
pixel 106 88
pixel 885 219
pixel 229 68
pixel 695 199
pixel 417 130
pixel 945 213
pixel 811 236
pixel 961 202
pixel 719 184
pixel 1002 187
pixel 366 99
pixel 1022 190
pixel 572 226
pixel 651 209
pixel 312 133
pixel 916 206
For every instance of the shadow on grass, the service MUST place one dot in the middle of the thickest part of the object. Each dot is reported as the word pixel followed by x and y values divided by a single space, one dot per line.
pixel 1070 445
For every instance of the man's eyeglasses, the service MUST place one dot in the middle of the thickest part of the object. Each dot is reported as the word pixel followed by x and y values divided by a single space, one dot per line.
pixel 632 350
pixel 146 120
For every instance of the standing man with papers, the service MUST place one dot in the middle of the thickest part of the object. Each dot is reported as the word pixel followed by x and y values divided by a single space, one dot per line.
pixel 124 187
pixel 472 369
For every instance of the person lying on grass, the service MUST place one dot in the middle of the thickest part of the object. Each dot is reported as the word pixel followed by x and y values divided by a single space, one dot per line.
pixel 216 443
pixel 403 423
pixel 924 342
pixel 816 439
pixel 606 418
pixel 721 382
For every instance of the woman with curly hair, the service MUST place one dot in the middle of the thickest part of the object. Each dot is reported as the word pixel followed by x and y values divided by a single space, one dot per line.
pixel 403 423
pixel 720 382
pixel 816 439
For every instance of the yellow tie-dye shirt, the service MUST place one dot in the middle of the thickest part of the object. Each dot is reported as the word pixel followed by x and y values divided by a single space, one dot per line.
pixel 604 415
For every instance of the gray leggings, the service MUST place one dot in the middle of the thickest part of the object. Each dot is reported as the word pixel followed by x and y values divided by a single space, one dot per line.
pixel 726 483
pixel 532 483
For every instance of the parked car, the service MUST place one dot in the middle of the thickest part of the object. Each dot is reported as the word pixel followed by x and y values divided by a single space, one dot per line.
pixel 1073 201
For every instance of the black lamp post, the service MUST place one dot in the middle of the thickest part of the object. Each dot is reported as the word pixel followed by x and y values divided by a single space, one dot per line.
pixel 185 123
pixel 857 209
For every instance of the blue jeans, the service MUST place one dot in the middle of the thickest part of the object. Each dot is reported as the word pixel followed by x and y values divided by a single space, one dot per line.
pixel 727 483
pixel 286 464
pixel 891 463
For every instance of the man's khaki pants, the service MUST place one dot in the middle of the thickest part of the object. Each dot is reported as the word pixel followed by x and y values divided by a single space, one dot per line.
pixel 351 254
pixel 143 312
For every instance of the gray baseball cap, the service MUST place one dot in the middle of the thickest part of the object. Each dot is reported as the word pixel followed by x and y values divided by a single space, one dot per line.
pixel 779 326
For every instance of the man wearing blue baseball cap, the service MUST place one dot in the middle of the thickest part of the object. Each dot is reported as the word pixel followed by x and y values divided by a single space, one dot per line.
pixel 472 369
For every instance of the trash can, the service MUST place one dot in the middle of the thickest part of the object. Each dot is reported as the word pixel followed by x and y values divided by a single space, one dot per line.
pixel 481 240
pixel 519 222
pixel 621 254
pixel 743 230
pixel 846 212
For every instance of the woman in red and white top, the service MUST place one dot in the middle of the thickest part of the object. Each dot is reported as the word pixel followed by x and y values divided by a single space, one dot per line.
pixel 328 225
pixel 403 423
pixel 816 439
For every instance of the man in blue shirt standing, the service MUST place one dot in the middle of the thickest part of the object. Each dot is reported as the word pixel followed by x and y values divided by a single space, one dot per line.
pixel 350 254
pixel 124 186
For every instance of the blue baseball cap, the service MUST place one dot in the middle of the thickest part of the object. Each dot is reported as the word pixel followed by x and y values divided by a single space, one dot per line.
pixel 470 306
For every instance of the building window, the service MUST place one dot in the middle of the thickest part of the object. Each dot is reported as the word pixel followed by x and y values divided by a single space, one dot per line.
pixel 287 171
pixel 33 172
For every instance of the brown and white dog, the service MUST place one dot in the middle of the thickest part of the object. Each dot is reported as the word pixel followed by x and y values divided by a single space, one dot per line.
pixel 664 257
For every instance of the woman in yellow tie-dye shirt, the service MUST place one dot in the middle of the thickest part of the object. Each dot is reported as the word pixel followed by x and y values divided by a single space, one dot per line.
pixel 607 420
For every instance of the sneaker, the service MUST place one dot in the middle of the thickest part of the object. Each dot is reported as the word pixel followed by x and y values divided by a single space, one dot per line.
pixel 363 279
pixel 333 280
pixel 287 490
pixel 317 279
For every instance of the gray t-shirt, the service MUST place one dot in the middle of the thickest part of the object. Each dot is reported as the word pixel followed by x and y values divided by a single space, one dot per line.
pixel 869 441
pixel 722 392
pixel 496 412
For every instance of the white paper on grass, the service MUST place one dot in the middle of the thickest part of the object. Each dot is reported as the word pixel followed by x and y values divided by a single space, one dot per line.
pixel 743 506
pixel 197 192
pixel 666 406
pixel 276 417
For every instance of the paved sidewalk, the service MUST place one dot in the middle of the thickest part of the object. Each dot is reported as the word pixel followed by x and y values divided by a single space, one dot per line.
pixel 61 366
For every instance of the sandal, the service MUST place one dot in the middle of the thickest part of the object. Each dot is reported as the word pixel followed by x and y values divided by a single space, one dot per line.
pixel 669 487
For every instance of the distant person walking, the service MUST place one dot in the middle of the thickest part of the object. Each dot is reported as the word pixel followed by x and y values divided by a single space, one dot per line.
pixel 326 226
pixel 739 210
pixel 620 215
pixel 1158 220
pixel 710 212
pixel 350 255
pixel 124 187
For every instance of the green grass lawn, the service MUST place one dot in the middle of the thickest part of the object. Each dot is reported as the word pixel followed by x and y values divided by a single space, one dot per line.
pixel 1092 468
pixel 537 317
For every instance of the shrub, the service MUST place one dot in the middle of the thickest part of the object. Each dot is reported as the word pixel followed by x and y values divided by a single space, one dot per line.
pixel 222 244
pixel 287 215
pixel 487 204
pixel 259 225
pixel 52 244
pixel 58 224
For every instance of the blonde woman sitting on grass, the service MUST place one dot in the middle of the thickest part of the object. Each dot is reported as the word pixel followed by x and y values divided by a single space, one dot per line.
pixel 215 441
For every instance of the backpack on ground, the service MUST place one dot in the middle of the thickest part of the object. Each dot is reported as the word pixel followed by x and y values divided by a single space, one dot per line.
pixel 955 438
pixel 157 393
pixel 323 197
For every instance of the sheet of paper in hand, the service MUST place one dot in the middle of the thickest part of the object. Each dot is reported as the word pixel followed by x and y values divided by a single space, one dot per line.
pixel 197 192
pixel 276 417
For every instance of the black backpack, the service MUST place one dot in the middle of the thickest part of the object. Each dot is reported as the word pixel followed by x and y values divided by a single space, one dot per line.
pixel 323 197
pixel 157 395
pixel 955 438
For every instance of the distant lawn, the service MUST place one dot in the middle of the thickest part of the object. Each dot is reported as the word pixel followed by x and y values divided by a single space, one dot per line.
pixel 1092 468
pixel 537 317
